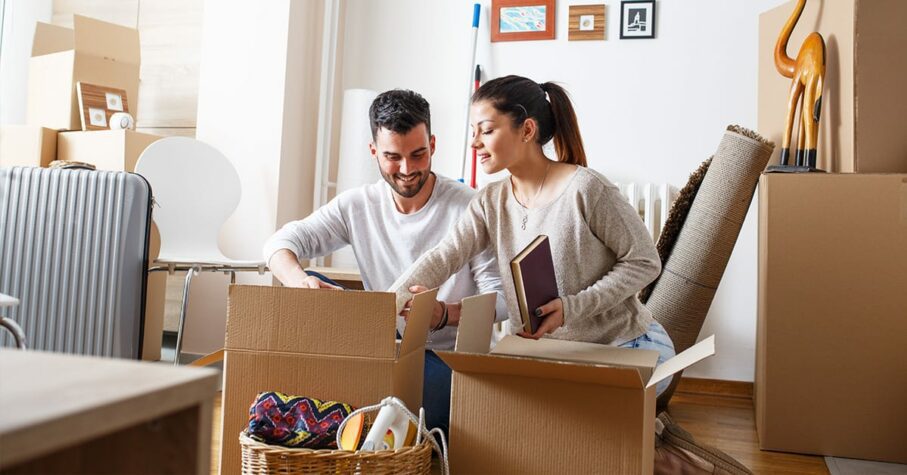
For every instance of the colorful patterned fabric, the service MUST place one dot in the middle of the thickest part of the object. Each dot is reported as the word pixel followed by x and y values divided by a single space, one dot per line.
pixel 296 421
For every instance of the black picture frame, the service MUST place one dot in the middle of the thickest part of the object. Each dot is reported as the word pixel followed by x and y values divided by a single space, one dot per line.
pixel 630 12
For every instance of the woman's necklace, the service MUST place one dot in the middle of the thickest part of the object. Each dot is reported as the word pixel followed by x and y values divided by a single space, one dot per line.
pixel 524 208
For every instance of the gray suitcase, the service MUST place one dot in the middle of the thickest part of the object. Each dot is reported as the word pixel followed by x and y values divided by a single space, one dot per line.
pixel 74 251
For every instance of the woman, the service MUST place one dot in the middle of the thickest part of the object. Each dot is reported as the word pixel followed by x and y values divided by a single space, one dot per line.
pixel 602 252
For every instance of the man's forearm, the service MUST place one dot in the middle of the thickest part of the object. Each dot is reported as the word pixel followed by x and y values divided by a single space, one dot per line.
pixel 285 266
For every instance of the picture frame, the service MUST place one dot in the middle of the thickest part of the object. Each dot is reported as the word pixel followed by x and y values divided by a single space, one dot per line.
pixel 637 19
pixel 586 22
pixel 521 20
pixel 98 103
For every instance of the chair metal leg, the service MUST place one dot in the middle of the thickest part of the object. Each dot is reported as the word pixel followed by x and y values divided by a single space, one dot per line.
pixel 16 330
pixel 182 325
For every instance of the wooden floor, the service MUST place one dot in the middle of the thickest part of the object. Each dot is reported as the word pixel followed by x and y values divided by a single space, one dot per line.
pixel 719 414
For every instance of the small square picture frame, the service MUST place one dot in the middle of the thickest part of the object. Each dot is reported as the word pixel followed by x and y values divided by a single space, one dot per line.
pixel 98 103
pixel 586 22
pixel 637 19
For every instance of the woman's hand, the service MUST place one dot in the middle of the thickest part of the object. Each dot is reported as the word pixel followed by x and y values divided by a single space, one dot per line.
pixel 552 314
pixel 436 314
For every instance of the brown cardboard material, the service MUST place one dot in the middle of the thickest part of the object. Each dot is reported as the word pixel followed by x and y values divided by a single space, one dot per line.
pixel 831 377
pixel 116 150
pixel 552 406
pixel 327 344
pixel 27 146
pixel 92 51
pixel 861 126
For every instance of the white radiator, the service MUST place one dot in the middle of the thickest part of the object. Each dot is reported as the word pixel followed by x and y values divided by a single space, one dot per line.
pixel 653 202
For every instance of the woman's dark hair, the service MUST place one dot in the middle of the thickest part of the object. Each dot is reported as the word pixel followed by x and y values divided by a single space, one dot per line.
pixel 399 110
pixel 522 98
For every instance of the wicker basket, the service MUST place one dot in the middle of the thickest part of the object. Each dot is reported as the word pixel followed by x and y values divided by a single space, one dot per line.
pixel 259 458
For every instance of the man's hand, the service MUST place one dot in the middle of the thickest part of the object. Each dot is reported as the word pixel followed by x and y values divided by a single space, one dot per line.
pixel 311 282
pixel 285 266
pixel 435 315
pixel 552 314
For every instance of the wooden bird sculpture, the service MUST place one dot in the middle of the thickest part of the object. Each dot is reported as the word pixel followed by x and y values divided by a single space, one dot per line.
pixel 808 73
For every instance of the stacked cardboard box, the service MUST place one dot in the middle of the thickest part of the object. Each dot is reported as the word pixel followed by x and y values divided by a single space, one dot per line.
pixel 94 52
pixel 832 308
pixel 861 126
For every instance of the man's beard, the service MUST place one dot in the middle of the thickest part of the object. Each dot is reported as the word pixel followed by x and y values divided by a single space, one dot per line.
pixel 406 191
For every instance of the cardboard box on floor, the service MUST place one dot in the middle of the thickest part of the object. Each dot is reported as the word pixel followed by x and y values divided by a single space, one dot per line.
pixel 553 406
pixel 93 51
pixel 831 363
pixel 327 344
pixel 27 146
pixel 863 102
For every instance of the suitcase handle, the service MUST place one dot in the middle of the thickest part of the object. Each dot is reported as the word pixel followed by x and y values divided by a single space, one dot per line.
pixel 16 330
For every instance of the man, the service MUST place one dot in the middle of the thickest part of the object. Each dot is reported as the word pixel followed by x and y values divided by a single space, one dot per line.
pixel 390 224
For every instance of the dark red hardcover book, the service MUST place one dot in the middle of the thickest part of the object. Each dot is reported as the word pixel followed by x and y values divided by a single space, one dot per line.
pixel 534 280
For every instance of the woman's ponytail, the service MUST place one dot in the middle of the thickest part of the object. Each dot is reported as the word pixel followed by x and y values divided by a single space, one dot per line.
pixel 568 143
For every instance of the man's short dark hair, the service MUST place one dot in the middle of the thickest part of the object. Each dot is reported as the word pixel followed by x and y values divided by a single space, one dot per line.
pixel 399 110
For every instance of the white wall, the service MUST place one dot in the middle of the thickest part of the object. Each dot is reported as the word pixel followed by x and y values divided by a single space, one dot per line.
pixel 649 110
pixel 18 32
pixel 256 96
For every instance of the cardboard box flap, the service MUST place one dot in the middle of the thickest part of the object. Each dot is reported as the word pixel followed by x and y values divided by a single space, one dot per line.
pixel 624 377
pixel 51 39
pixel 476 323
pixel 106 40
pixel 325 322
pixel 417 324
pixel 693 354
pixel 581 352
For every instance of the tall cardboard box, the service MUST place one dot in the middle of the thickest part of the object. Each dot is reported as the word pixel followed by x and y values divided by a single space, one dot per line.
pixel 92 51
pixel 831 358
pixel 27 146
pixel 327 344
pixel 863 103
pixel 552 406
pixel 119 150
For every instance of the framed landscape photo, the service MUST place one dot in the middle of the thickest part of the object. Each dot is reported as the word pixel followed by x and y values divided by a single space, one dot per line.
pixel 520 20
pixel 637 19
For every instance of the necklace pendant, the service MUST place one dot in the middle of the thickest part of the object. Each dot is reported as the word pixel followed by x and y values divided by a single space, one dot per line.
pixel 525 218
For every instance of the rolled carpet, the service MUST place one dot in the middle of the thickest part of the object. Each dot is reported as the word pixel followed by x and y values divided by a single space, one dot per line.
pixel 681 297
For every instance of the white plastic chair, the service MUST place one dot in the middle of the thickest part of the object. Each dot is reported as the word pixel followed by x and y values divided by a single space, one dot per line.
pixel 195 189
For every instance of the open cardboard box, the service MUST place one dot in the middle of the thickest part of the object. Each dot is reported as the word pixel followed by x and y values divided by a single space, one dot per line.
pixel 93 51
pixel 327 344
pixel 552 406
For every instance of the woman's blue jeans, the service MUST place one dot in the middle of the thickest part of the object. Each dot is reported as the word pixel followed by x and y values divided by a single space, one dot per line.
pixel 656 338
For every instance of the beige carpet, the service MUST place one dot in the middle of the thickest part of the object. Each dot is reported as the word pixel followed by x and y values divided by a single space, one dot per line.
pixel 841 466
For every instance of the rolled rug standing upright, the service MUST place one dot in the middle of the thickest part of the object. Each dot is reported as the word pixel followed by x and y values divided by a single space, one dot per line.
pixel 681 297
